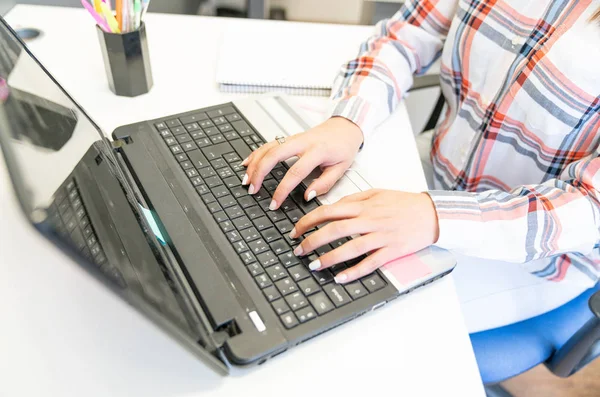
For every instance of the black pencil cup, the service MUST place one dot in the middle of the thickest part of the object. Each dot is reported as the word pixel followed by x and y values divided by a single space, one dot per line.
pixel 127 61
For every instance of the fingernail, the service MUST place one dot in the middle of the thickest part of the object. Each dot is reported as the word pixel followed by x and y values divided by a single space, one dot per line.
pixel 311 195
pixel 293 233
pixel 273 205
pixel 315 265
pixel 245 180
pixel 244 161
pixel 251 189
pixel 340 278
pixel 298 251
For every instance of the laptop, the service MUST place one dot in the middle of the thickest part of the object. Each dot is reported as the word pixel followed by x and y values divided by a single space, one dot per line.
pixel 158 215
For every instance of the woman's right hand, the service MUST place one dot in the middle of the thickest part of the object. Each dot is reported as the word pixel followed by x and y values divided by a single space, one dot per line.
pixel 331 146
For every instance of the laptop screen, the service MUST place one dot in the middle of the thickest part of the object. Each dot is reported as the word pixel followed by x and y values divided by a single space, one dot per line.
pixel 47 140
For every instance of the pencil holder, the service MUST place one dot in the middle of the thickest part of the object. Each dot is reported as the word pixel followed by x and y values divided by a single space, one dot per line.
pixel 127 61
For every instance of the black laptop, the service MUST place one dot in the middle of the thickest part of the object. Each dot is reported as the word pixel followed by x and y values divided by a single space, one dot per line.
pixel 158 214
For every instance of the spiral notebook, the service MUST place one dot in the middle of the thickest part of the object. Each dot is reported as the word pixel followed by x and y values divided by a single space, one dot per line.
pixel 295 58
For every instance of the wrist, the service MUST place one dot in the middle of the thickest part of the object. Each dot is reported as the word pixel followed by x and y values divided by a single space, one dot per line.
pixel 352 129
pixel 432 218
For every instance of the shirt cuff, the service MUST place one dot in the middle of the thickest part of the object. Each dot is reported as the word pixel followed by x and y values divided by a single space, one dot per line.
pixel 358 111
pixel 461 227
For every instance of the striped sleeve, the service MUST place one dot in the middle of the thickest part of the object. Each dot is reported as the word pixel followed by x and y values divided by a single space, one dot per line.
pixel 530 222
pixel 368 88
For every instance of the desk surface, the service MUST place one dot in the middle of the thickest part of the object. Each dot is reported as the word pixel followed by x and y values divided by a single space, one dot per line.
pixel 62 334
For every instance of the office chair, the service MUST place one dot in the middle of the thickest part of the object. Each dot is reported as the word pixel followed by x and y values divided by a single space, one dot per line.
pixel 565 339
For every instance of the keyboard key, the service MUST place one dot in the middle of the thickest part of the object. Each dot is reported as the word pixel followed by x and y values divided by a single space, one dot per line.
pixel 250 234
pixel 208 198
pixel 242 193
pixel 337 268
pixel 270 185
pixel 256 138
pixel 337 294
pixel 206 124
pixel 220 216
pixel 219 191
pixel 280 306
pixel 248 258
pixel 212 131
pixel 254 212
pixel 289 320
pixel 258 246
pixel 255 269
pixel 276 272
pixel 160 126
pixel 356 290
pixel 217 138
pixel 181 157
pixel 241 148
pixel 197 181
pixel 263 281
pixel 231 135
pixel 227 201
pixel 262 223
pixel 270 234
pixel 198 159
pixel 217 151
pixel 306 314
pixel 183 138
pixel 321 303
pixel 309 286
pixel 165 133
pixel 170 141
pixel 289 259
pixel 284 227
pixel 233 117
pixel 262 194
pixel 193 117
pixel 373 282
pixel 178 130
pixel 225 127
pixel 213 181
pixel 172 123
pixel 299 272
pixel 196 135
pixel 221 112
pixel 191 173
pixel 186 165
pixel 267 259
pixel 232 181
pixel 323 276
pixel 338 243
pixel 219 120
pixel 279 247
pixel 242 128
pixel 242 223
pixel 240 247
pixel 288 205
pixel 202 189
pixel 295 215
pixel 218 163
pixel 226 226
pixel 278 173
pixel 286 286
pixel 226 173
pixel 176 149
pixel 232 158
pixel 265 204
pixel 233 236
pixel 296 301
pixel 207 172
pixel 193 127
pixel 276 216
pixel 271 293
pixel 203 142
pixel 234 212
pixel 214 207
pixel 323 250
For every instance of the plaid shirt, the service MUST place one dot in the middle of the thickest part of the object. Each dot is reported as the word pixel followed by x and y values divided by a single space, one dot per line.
pixel 515 158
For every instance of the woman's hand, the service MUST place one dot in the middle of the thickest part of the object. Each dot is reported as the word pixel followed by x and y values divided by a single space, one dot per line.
pixel 331 145
pixel 391 225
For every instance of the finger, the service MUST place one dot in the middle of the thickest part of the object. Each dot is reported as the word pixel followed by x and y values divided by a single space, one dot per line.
pixel 361 196
pixel 326 213
pixel 325 182
pixel 254 156
pixel 333 231
pixel 260 167
pixel 367 266
pixel 350 250
pixel 295 175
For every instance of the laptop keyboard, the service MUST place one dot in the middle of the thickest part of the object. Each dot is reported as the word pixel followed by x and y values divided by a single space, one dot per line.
pixel 209 147
pixel 71 222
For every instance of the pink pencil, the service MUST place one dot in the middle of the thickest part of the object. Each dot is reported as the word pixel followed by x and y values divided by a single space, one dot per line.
pixel 99 19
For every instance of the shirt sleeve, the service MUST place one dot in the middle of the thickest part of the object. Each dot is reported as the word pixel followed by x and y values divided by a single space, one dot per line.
pixel 530 222
pixel 368 88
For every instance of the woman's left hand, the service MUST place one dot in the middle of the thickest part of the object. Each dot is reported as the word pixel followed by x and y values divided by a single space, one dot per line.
pixel 391 225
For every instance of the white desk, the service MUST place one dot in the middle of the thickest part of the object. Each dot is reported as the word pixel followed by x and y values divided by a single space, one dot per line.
pixel 62 334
